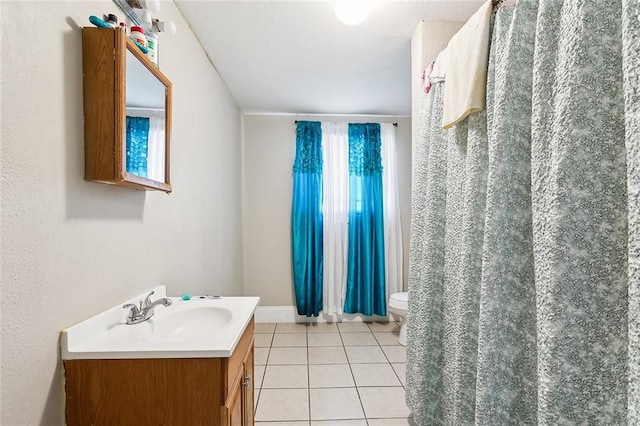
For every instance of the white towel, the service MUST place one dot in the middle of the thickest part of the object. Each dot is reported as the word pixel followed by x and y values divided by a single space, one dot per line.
pixel 467 62
pixel 435 72
pixel 439 72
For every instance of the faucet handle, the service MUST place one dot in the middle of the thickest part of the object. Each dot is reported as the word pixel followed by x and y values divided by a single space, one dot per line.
pixel 147 300
pixel 134 312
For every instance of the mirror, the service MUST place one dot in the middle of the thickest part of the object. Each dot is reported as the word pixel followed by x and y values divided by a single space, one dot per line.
pixel 145 126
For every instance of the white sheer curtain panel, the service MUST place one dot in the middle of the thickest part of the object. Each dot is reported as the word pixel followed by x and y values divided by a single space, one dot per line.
pixel 156 149
pixel 335 212
pixel 391 205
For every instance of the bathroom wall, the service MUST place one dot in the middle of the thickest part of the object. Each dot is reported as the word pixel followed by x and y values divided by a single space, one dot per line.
pixel 72 248
pixel 269 149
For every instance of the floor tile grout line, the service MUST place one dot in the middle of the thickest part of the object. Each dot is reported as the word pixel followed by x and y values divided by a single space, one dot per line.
pixel 353 377
pixel 308 382
pixel 337 387
pixel 255 408
pixel 391 365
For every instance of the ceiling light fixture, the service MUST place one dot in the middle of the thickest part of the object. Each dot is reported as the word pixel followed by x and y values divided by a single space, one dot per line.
pixel 351 12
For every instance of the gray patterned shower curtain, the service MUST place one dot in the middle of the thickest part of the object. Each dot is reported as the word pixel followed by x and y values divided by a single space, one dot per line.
pixel 524 270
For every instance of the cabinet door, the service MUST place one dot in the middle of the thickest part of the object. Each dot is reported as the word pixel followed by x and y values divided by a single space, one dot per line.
pixel 248 390
pixel 234 407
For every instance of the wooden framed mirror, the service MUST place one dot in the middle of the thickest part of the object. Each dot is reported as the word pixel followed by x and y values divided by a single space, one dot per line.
pixel 127 113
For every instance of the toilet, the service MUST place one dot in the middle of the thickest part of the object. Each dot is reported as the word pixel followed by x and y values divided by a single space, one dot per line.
pixel 399 305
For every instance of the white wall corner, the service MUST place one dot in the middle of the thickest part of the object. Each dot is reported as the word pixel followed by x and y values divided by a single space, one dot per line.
pixel 416 82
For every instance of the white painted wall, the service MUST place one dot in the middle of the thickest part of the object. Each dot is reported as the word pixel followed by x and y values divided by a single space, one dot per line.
pixel 72 248
pixel 269 149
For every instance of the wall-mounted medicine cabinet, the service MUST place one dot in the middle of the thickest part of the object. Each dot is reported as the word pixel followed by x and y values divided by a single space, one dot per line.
pixel 127 113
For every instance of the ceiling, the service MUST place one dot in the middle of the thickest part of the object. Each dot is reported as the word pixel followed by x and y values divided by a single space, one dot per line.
pixel 296 57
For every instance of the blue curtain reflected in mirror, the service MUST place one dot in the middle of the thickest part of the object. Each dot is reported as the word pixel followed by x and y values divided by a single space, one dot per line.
pixel 137 145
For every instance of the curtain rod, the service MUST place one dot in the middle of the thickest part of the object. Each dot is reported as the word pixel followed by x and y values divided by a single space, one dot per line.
pixel 395 124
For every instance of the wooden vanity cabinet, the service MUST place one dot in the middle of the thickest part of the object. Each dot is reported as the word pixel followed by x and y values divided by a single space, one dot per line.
pixel 166 391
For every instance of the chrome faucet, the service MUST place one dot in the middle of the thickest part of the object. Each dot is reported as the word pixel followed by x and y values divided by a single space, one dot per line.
pixel 145 311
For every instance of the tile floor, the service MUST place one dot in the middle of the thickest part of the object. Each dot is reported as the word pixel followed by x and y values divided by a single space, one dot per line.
pixel 345 374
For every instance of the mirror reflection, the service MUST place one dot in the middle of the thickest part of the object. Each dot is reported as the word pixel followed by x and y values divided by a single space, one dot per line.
pixel 145 122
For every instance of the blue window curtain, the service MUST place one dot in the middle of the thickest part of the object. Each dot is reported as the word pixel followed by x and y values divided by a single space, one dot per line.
pixel 137 145
pixel 306 218
pixel 365 291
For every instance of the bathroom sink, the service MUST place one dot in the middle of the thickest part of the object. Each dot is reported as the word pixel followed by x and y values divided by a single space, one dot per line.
pixel 186 324
pixel 196 328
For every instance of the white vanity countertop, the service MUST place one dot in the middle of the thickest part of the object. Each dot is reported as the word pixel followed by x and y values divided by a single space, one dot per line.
pixel 211 328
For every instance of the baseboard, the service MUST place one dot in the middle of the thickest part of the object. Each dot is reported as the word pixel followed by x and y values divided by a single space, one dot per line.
pixel 282 314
